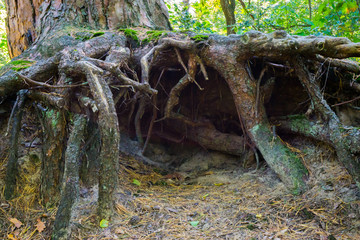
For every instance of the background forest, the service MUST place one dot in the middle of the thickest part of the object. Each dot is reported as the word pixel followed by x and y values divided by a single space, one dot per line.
pixel 300 17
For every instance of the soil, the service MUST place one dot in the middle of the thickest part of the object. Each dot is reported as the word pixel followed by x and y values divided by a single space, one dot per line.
pixel 208 195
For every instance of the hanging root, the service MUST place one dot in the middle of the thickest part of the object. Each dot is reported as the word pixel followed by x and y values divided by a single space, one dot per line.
pixel 70 190
pixel 341 137
pixel 12 168
pixel 154 116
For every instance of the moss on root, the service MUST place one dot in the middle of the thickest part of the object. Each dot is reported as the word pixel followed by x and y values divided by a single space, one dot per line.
pixel 86 35
pixel 281 159
pixel 130 33
pixel 154 35
pixel 16 65
pixel 200 37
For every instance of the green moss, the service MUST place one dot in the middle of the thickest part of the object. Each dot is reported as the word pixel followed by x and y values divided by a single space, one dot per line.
pixel 200 37
pixel 130 34
pixel 83 36
pixel 302 124
pixel 86 35
pixel 154 35
pixel 285 162
pixel 97 34
pixel 20 64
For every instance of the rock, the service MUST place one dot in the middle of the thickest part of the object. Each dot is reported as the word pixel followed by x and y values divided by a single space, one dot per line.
pixel 172 210
pixel 134 220
pixel 156 208
pixel 146 208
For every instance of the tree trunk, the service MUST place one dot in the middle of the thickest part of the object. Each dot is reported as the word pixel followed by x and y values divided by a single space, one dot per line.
pixel 228 7
pixel 30 19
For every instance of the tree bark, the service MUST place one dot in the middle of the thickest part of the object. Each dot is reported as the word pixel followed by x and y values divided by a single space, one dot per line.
pixel 28 20
pixel 12 168
pixel 70 189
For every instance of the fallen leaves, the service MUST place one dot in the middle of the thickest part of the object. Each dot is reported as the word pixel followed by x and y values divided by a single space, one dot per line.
pixel 194 223
pixel 16 222
pixel 40 226
pixel 136 182
pixel 104 223
pixel 12 237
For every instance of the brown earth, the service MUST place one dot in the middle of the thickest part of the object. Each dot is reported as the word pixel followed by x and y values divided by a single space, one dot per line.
pixel 209 196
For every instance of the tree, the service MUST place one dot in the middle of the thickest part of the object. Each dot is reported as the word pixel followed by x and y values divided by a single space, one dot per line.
pixel 81 70
pixel 228 7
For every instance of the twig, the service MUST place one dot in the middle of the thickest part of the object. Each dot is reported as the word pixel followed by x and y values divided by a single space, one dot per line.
pixel 151 124
pixel 258 91
pixel 346 102
pixel 202 67
pixel 26 79
pixel 180 59
pixel 138 116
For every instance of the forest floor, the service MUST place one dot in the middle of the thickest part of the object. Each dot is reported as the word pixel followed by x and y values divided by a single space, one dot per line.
pixel 202 200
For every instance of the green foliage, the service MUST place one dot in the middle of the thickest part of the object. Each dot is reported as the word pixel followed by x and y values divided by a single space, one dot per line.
pixel 194 223
pixel 4 55
pixel 104 223
pixel 182 19
pixel 136 182
pixel 328 17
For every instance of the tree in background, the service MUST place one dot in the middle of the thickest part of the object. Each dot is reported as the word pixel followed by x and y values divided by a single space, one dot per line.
pixel 228 7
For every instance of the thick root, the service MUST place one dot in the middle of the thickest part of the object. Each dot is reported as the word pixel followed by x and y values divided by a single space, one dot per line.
pixel 70 189
pixel 11 168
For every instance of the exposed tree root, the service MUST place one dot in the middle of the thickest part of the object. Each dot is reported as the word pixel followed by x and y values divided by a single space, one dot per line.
pixel 100 78
pixel 11 168
pixel 70 189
